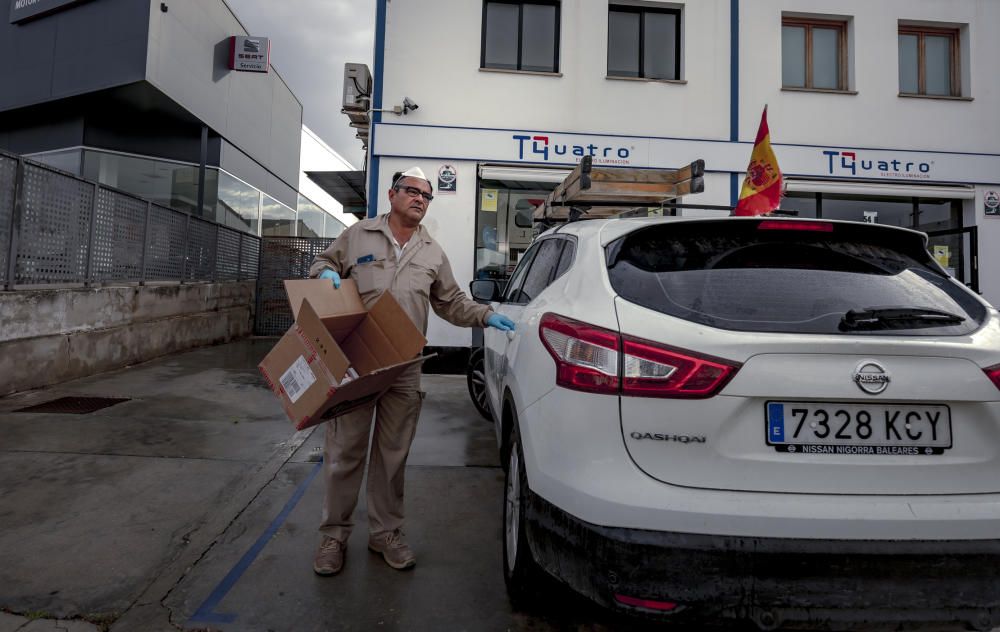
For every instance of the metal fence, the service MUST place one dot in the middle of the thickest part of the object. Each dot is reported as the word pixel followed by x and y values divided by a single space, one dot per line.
pixel 58 229
pixel 282 258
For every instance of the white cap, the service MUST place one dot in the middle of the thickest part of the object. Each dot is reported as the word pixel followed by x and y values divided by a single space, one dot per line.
pixel 413 172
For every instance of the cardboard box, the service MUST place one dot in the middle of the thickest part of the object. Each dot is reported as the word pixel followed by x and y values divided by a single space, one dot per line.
pixel 334 332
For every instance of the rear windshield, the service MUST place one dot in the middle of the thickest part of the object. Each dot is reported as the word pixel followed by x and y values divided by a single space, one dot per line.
pixel 735 275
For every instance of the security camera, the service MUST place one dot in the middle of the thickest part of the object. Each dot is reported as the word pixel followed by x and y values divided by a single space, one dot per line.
pixel 408 105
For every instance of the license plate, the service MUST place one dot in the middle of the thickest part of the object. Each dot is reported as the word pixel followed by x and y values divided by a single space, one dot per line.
pixel 879 429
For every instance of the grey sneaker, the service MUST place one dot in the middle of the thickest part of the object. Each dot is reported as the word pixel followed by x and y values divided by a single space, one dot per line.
pixel 330 557
pixel 393 548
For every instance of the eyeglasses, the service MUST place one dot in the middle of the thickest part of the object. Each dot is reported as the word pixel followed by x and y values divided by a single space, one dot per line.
pixel 414 192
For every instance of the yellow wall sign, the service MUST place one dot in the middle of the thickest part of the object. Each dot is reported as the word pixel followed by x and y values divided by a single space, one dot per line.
pixel 488 200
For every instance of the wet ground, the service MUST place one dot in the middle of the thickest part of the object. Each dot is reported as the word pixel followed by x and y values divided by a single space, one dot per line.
pixel 193 505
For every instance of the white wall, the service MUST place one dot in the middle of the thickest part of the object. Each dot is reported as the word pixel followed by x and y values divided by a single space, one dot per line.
pixel 433 53
pixel 442 74
pixel 876 116
pixel 318 156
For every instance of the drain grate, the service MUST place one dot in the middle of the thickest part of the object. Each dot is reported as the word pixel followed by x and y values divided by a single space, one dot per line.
pixel 73 405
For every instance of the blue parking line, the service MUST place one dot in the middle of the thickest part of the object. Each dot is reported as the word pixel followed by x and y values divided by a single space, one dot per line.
pixel 205 613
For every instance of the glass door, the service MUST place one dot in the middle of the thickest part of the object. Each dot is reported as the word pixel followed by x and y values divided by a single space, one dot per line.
pixel 500 241
pixel 955 250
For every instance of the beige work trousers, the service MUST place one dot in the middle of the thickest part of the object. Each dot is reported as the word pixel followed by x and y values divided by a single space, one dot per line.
pixel 346 446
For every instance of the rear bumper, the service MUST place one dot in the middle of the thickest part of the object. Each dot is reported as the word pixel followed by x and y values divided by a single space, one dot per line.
pixel 771 580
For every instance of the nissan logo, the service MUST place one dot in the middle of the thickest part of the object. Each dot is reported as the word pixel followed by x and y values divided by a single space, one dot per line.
pixel 871 377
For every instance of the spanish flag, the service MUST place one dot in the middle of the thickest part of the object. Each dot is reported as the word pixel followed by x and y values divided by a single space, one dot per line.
pixel 762 187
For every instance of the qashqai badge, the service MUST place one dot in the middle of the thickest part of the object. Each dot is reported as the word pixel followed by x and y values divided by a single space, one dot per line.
pixel 871 377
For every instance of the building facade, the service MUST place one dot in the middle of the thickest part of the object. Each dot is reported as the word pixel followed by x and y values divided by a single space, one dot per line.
pixel 882 112
pixel 139 95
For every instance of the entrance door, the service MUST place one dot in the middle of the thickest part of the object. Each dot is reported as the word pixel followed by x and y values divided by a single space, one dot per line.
pixel 500 242
pixel 956 250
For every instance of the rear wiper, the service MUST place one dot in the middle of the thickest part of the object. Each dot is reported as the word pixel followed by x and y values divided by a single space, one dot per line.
pixel 897 318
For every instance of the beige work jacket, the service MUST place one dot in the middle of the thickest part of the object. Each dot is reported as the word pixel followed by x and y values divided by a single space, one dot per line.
pixel 364 252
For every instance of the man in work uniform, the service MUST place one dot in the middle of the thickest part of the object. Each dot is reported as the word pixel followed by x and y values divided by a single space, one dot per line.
pixel 394 253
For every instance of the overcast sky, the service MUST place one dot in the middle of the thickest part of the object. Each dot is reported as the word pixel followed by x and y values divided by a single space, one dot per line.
pixel 310 42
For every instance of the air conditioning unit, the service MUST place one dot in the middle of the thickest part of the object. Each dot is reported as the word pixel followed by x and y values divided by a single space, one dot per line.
pixel 357 88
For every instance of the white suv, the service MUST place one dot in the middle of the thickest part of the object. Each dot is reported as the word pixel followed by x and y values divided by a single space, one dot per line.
pixel 774 419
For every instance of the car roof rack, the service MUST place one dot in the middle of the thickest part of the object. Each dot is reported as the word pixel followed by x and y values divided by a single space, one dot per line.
pixel 590 192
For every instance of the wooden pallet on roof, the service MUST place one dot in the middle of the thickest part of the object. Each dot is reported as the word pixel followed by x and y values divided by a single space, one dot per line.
pixel 609 191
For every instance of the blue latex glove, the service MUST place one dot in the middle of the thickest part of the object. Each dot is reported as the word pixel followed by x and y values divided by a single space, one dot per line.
pixel 501 322
pixel 331 274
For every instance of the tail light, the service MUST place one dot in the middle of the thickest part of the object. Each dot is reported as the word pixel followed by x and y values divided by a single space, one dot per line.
pixel 598 360
pixel 655 370
pixel 586 356
pixel 993 372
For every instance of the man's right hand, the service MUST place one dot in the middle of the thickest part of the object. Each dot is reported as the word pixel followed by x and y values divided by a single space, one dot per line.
pixel 332 275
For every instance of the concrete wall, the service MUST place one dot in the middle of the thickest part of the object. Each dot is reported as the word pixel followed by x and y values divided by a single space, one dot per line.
pixel 50 336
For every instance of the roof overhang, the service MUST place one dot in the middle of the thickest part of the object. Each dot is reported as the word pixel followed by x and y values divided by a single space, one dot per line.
pixel 347 187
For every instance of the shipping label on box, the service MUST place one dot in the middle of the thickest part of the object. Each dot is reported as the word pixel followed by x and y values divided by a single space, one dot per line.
pixel 297 379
